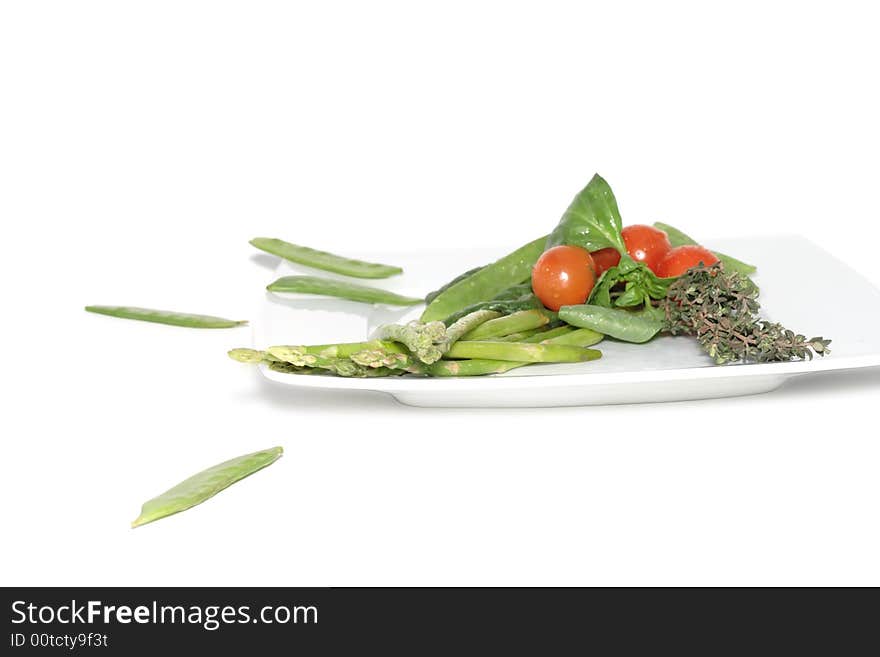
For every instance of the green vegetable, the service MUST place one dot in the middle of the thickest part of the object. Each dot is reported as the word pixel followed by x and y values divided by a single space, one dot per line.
pixel 204 485
pixel 465 325
pixel 720 309
pixel 323 260
pixel 640 285
pixel 346 349
pixel 424 340
pixel 165 317
pixel 522 351
pixel 513 299
pixel 486 283
pixel 678 238
pixel 582 337
pixel 341 289
pixel 520 321
pixel 592 221
pixel 628 325
pixel 550 334
pixel 433 295
pixel 474 367
pixel 522 336
pixel 243 355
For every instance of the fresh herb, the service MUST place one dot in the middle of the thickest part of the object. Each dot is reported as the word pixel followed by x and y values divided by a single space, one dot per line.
pixel 592 221
pixel 720 308
pixel 627 285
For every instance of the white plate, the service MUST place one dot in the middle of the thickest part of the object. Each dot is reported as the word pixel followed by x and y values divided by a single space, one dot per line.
pixel 840 305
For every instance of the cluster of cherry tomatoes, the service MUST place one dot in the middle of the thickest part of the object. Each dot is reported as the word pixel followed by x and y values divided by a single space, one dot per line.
pixel 565 275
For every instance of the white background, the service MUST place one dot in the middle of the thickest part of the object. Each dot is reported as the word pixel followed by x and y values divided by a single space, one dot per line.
pixel 143 144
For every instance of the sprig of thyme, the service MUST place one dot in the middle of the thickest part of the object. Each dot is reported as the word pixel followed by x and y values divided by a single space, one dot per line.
pixel 720 308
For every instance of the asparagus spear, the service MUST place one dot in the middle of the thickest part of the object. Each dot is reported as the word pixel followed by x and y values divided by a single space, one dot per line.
pixel 522 336
pixel 300 357
pixel 423 340
pixel 582 337
pixel 247 355
pixel 376 358
pixel 522 352
pixel 467 324
pixel 550 334
pixel 473 367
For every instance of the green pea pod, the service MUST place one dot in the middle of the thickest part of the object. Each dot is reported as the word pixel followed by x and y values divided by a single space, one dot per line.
pixel 484 284
pixel 205 485
pixel 627 325
pixel 165 317
pixel 430 296
pixel 340 289
pixel 303 255
pixel 678 238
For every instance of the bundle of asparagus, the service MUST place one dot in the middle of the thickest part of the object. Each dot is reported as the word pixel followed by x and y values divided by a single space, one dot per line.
pixel 481 342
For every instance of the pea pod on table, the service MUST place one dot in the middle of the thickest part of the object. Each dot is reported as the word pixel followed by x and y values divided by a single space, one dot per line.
pixel 309 257
pixel 166 317
pixel 340 289
pixel 205 485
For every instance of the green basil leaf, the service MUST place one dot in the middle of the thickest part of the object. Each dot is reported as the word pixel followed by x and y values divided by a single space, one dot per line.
pixel 592 221
pixel 641 285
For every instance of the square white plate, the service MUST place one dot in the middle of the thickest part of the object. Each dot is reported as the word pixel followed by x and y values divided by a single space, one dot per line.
pixel 841 305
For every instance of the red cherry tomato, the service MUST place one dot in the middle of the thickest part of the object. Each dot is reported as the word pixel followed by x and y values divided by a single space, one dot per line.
pixel 605 259
pixel 682 258
pixel 646 244
pixel 563 276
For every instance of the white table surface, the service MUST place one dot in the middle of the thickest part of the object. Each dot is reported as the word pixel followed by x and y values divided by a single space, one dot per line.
pixel 135 174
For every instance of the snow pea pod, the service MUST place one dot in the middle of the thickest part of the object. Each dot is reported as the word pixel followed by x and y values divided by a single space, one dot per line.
pixel 486 283
pixel 205 485
pixel 340 289
pixel 678 238
pixel 165 317
pixel 626 325
pixel 430 296
pixel 304 255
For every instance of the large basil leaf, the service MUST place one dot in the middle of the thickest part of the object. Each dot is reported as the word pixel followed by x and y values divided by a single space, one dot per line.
pixel 592 221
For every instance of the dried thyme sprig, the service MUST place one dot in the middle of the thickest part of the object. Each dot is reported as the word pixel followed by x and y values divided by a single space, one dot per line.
pixel 720 308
